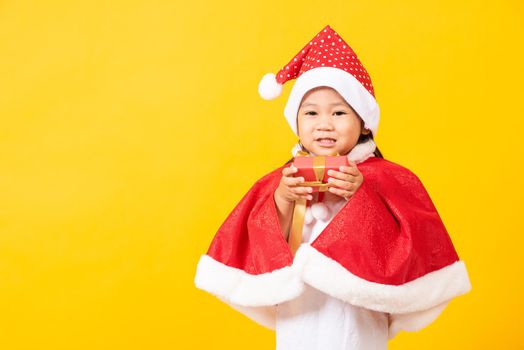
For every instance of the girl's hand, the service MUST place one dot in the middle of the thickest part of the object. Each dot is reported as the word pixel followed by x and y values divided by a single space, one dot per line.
pixel 345 182
pixel 288 189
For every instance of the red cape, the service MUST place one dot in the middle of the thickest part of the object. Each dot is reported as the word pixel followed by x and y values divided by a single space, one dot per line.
pixel 387 249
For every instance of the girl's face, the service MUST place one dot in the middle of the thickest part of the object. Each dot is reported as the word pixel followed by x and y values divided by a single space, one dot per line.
pixel 327 124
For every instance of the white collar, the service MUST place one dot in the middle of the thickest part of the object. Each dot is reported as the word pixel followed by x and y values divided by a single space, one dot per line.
pixel 358 154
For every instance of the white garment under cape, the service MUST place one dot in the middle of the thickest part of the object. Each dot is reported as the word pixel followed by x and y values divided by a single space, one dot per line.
pixel 317 321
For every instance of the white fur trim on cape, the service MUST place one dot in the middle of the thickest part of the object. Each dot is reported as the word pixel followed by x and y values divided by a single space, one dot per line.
pixel 356 95
pixel 425 292
pixel 328 276
pixel 244 289
pixel 411 306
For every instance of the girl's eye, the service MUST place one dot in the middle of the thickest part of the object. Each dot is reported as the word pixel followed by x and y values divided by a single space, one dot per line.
pixel 314 113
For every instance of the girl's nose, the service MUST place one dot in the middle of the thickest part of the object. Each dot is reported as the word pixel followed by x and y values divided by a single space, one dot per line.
pixel 325 123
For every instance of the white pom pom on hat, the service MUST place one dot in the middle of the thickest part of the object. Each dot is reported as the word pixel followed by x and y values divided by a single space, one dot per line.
pixel 327 60
pixel 269 88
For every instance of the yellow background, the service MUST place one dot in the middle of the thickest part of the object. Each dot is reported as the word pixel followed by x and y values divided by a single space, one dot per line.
pixel 130 129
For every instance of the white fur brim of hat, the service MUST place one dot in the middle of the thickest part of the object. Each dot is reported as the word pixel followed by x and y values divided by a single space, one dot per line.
pixel 345 84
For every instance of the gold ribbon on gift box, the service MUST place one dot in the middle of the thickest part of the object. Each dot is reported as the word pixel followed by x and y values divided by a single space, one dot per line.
pixel 319 167
pixel 299 211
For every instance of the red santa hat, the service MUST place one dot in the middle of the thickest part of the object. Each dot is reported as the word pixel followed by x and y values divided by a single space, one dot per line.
pixel 327 60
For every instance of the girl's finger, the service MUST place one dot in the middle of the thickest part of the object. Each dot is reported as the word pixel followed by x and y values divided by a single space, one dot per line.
pixel 339 192
pixel 353 170
pixel 346 185
pixel 342 176
pixel 292 181
pixel 303 192
pixel 289 171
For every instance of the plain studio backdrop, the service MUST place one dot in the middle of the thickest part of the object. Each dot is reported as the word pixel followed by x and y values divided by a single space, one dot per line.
pixel 130 129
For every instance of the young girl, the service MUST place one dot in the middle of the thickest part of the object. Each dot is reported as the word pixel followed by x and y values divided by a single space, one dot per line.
pixel 375 257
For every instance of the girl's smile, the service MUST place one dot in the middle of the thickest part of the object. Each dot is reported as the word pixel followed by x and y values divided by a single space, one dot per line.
pixel 326 142
pixel 327 124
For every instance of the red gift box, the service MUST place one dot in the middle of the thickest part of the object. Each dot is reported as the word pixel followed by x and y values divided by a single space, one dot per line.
pixel 314 169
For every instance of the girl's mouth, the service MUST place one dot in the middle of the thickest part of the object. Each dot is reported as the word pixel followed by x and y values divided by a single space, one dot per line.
pixel 326 142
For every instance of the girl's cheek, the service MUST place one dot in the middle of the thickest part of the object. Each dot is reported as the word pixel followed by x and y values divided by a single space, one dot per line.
pixel 307 135
pixel 308 128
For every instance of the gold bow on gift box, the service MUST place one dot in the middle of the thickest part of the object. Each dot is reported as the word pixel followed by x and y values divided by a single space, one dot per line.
pixel 319 167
